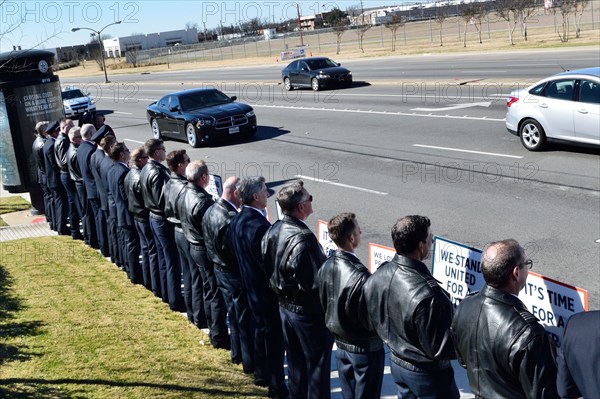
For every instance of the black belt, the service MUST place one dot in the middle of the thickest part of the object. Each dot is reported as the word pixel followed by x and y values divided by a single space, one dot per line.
pixel 140 219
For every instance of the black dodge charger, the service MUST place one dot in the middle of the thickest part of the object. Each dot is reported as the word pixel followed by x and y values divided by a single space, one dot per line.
pixel 200 116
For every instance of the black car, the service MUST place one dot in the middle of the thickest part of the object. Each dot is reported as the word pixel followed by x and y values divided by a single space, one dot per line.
pixel 316 73
pixel 199 116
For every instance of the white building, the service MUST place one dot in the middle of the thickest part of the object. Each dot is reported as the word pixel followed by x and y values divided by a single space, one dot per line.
pixel 119 46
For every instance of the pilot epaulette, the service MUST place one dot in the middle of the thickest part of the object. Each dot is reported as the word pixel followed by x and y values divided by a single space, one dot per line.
pixel 527 316
pixel 433 283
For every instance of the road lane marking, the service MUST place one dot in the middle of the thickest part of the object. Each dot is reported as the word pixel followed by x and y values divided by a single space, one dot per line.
pixel 135 141
pixel 124 113
pixel 366 190
pixel 457 106
pixel 378 112
pixel 467 151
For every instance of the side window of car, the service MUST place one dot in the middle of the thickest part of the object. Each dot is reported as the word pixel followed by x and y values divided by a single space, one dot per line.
pixel 589 92
pixel 163 102
pixel 303 65
pixel 173 102
pixel 294 66
pixel 560 89
pixel 537 90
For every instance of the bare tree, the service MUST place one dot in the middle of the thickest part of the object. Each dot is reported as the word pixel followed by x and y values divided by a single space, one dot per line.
pixel 440 17
pixel 507 10
pixel 361 33
pixel 564 9
pixel 192 25
pixel 393 25
pixel 482 11
pixel 579 6
pixel 338 20
pixel 467 11
pixel 525 9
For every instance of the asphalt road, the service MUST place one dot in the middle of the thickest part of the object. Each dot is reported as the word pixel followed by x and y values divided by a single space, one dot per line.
pixel 406 139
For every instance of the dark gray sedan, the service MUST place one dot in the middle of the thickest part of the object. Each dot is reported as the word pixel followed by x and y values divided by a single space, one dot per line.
pixel 200 116
pixel 316 73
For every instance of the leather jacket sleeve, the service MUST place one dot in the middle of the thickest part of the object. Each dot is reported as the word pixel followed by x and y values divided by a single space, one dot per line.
pixel 432 321
pixel 532 359
pixel 60 149
pixel 304 262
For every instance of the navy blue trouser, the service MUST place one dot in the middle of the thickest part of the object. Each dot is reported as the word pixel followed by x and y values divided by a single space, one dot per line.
pixel 168 258
pixel 432 385
pixel 131 247
pixel 308 346
pixel 60 209
pixel 241 326
pixel 72 204
pixel 360 374
pixel 214 305
pixel 150 266
pixel 102 230
pixel 187 263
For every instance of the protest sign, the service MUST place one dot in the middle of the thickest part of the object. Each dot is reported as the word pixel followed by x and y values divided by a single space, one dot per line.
pixel 458 269
pixel 379 254
pixel 326 242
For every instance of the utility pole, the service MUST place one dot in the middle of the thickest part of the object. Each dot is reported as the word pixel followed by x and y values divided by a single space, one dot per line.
pixel 300 25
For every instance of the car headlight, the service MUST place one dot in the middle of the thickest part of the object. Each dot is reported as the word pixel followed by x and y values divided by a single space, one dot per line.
pixel 349 73
pixel 323 76
pixel 250 114
pixel 92 101
pixel 204 122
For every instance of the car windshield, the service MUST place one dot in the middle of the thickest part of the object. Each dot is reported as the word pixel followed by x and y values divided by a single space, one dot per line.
pixel 321 63
pixel 203 99
pixel 71 94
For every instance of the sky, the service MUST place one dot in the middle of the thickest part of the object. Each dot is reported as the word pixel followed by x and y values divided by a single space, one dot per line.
pixel 47 24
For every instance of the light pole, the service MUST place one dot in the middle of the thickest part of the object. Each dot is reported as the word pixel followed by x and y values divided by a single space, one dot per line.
pixel 99 32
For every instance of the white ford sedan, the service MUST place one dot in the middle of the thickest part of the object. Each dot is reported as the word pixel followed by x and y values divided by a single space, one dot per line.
pixel 561 108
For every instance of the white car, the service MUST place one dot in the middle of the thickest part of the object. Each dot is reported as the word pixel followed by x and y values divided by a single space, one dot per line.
pixel 561 108
pixel 75 102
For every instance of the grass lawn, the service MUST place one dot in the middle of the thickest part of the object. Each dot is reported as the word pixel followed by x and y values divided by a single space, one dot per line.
pixel 12 204
pixel 73 326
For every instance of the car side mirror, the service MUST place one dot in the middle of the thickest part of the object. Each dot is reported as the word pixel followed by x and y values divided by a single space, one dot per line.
pixel 339 64
pixel 233 98
pixel 303 69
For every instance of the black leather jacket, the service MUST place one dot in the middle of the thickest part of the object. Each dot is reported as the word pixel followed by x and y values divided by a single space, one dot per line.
pixel 196 203
pixel 152 180
pixel 505 349
pixel 215 226
pixel 133 190
pixel 411 314
pixel 61 147
pixel 73 165
pixel 37 150
pixel 292 257
pixel 341 280
pixel 174 188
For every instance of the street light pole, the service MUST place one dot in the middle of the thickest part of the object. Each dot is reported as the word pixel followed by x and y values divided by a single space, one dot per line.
pixel 99 32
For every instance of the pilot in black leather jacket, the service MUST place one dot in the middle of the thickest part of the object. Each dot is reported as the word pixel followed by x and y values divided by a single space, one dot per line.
pixel 152 180
pixel 215 226
pixel 513 356
pixel 412 314
pixel 341 279
pixel 174 188
pixel 135 198
pixel 196 202
pixel 291 258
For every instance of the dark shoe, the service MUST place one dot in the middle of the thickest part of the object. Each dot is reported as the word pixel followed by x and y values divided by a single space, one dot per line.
pixel 259 382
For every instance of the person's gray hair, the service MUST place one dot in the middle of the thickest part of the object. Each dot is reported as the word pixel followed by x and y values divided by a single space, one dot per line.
pixel 40 127
pixel 87 131
pixel 74 131
pixel 195 170
pixel 248 186
pixel 290 196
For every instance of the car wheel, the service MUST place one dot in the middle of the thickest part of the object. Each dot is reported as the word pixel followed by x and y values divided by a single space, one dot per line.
pixel 532 135
pixel 192 136
pixel 288 84
pixel 155 130
pixel 314 83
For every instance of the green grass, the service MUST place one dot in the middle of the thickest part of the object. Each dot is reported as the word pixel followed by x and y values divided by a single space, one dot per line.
pixel 12 204
pixel 73 326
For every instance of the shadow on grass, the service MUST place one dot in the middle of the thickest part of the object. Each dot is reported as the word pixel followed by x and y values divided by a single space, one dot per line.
pixel 9 305
pixel 24 385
